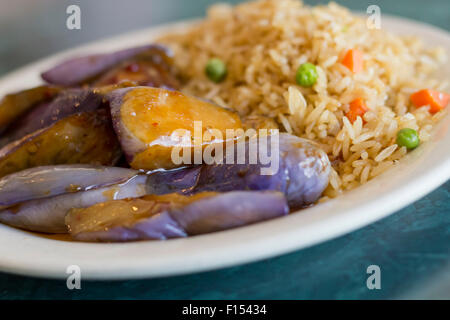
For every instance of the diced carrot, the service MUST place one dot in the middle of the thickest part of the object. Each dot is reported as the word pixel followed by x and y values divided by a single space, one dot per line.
pixel 435 99
pixel 357 108
pixel 353 60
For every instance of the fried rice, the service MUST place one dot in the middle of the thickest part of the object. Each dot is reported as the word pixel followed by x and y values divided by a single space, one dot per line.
pixel 264 42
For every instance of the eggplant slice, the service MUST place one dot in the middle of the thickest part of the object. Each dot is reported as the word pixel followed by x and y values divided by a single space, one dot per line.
pixel 302 173
pixel 73 128
pixel 150 122
pixel 146 65
pixel 86 138
pixel 42 203
pixel 14 105
pixel 50 181
pixel 67 103
pixel 173 216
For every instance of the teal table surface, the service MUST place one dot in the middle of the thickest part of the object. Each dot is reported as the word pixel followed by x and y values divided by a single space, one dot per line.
pixel 411 247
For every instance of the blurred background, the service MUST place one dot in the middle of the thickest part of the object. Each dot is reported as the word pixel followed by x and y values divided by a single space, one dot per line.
pixel 415 259
pixel 31 29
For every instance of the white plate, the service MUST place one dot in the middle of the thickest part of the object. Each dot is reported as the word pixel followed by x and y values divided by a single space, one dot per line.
pixel 422 171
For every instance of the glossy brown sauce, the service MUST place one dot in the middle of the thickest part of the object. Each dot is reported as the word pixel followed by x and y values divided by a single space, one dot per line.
pixel 56 236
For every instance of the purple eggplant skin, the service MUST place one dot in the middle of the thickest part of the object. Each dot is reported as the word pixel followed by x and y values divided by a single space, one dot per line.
pixel 68 102
pixel 230 210
pixel 47 215
pixel 144 70
pixel 205 215
pixel 130 144
pixel 182 180
pixel 149 147
pixel 13 105
pixel 302 176
pixel 76 71
pixel 49 181
pixel 158 227
pixel 86 137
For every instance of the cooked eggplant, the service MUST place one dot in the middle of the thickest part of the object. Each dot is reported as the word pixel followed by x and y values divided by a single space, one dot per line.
pixel 66 103
pixel 50 181
pixel 302 175
pixel 172 216
pixel 75 127
pixel 142 70
pixel 49 193
pixel 113 112
pixel 150 122
pixel 121 220
pixel 147 65
pixel 229 210
pixel 85 137
pixel 15 104
pixel 31 210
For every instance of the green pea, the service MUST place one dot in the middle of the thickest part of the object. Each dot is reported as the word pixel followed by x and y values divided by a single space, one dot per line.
pixel 306 75
pixel 216 70
pixel 408 138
